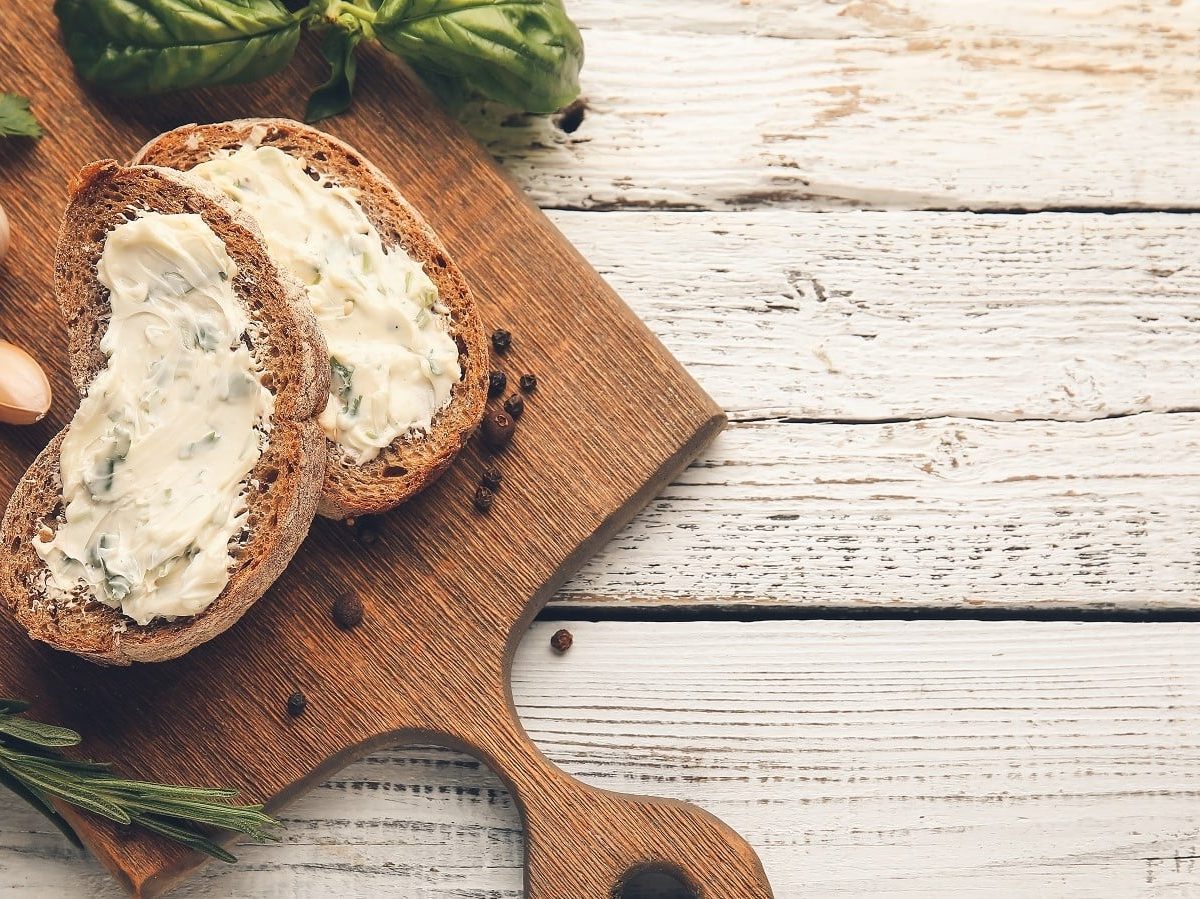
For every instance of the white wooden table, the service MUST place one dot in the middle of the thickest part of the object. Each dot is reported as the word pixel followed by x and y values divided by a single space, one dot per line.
pixel 939 260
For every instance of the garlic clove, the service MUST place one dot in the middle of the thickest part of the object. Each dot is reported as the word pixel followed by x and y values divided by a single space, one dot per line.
pixel 4 235
pixel 24 390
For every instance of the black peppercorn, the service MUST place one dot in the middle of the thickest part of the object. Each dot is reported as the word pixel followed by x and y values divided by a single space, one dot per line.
pixel 497 381
pixel 296 704
pixel 562 640
pixel 528 383
pixel 483 500
pixel 501 341
pixel 491 479
pixel 498 429
pixel 347 611
pixel 515 406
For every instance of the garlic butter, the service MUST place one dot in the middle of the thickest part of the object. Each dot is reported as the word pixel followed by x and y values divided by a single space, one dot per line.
pixel 156 462
pixel 393 359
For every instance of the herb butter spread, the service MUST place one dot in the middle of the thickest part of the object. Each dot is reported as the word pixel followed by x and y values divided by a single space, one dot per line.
pixel 393 359
pixel 156 462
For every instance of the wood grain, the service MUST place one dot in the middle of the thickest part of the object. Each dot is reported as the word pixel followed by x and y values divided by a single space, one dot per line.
pixel 815 331
pixel 445 588
pixel 1050 316
pixel 845 317
pixel 946 759
pixel 939 759
pixel 899 104
pixel 947 513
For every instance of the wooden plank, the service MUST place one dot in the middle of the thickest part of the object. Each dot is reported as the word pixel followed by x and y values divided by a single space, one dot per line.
pixel 841 318
pixel 882 758
pixel 909 104
pixel 433 653
pixel 849 316
pixel 945 513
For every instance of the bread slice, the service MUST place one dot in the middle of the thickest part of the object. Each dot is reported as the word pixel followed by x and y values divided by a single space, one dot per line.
pixel 411 462
pixel 287 477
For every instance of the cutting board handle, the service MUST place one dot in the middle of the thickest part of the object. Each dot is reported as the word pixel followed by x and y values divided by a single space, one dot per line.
pixel 586 843
pixel 616 839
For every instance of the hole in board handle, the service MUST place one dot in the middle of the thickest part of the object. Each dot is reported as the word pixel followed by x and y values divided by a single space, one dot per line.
pixel 655 881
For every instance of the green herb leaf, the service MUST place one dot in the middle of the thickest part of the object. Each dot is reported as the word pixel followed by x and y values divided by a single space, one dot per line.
pixel 333 97
pixel 153 46
pixel 32 770
pixel 452 93
pixel 187 837
pixel 44 735
pixel 341 382
pixel 77 795
pixel 47 810
pixel 166 791
pixel 524 53
pixel 15 118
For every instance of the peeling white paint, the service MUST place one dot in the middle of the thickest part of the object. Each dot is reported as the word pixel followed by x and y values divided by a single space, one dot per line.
pixel 852 316
pixel 861 758
pixel 720 104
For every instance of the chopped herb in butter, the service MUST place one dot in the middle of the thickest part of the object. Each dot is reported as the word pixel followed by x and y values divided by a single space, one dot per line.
pixel 146 527
pixel 395 362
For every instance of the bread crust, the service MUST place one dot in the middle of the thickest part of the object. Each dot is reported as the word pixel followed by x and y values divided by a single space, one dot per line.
pixel 410 463
pixel 286 479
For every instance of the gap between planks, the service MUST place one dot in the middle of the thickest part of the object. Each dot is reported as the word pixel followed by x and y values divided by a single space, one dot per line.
pixel 1095 515
pixel 858 316
pixel 849 207
pixel 901 104
pixel 891 758
pixel 744 612
pixel 788 420
pixel 1001 404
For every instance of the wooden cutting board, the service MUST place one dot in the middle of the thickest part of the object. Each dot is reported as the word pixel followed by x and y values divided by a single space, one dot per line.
pixel 448 592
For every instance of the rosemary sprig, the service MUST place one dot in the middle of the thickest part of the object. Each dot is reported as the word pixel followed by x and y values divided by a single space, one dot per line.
pixel 31 768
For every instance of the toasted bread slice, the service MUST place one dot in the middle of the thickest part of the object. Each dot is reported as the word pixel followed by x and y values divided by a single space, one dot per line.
pixel 286 480
pixel 412 461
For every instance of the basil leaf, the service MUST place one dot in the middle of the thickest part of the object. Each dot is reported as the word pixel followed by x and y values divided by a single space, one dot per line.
pixel 17 121
pixel 333 97
pixel 153 46
pixel 452 93
pixel 524 53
